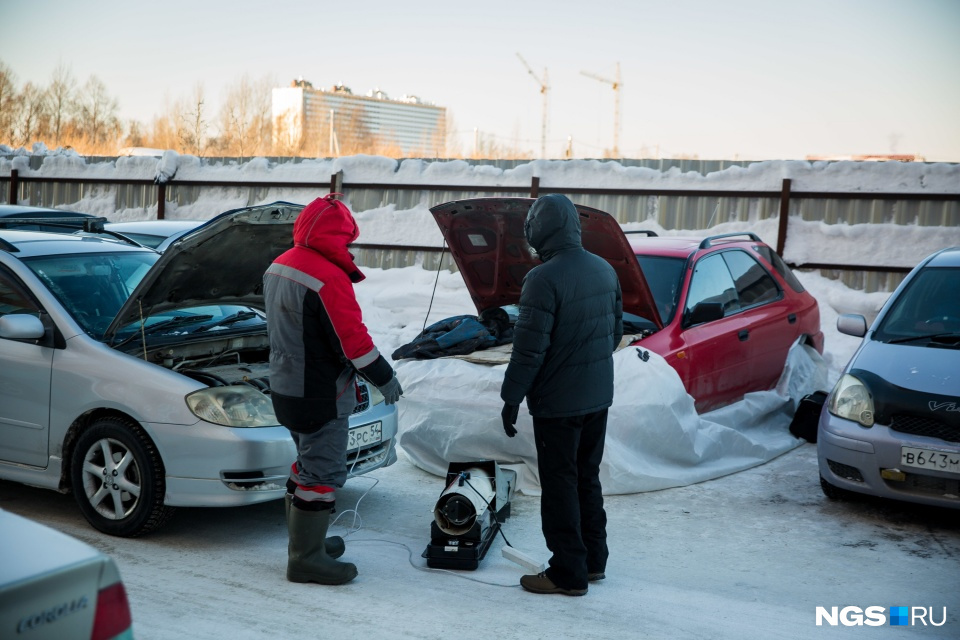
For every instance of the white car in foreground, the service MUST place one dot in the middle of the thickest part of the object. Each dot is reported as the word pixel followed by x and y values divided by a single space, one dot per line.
pixel 53 586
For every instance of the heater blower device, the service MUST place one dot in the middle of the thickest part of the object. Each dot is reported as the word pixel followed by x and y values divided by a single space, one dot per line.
pixel 468 515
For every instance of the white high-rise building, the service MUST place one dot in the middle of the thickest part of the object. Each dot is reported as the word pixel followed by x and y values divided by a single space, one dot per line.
pixel 334 122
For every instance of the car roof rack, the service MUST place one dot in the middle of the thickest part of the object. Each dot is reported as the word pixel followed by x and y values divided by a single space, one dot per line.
pixel 646 232
pixel 708 241
pixel 88 224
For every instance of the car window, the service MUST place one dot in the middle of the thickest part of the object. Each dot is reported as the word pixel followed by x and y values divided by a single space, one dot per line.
pixel 928 305
pixel 754 285
pixel 781 267
pixel 13 297
pixel 711 282
pixel 92 287
pixel 664 277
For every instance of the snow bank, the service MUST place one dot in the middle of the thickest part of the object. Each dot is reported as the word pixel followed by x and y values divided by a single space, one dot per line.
pixel 841 176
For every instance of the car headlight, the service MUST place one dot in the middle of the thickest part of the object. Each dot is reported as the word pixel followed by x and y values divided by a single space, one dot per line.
pixel 852 400
pixel 233 406
pixel 375 396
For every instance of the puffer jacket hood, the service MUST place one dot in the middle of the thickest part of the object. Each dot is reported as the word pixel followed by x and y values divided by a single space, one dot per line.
pixel 326 226
pixel 552 225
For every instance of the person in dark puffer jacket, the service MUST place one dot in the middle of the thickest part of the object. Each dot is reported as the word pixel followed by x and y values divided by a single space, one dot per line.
pixel 569 325
pixel 318 345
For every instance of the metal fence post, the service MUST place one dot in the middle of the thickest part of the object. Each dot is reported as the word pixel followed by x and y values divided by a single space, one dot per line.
pixel 161 200
pixel 14 178
pixel 336 182
pixel 784 216
pixel 534 187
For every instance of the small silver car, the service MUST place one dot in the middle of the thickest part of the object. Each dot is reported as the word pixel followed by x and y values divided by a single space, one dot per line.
pixel 891 425
pixel 140 381
pixel 53 586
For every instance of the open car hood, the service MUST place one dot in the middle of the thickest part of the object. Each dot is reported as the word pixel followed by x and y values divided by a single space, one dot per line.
pixel 486 239
pixel 219 262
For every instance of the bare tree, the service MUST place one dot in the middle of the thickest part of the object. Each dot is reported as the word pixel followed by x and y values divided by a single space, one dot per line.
pixel 194 129
pixel 245 117
pixel 33 115
pixel 135 136
pixel 9 104
pixel 96 118
pixel 61 101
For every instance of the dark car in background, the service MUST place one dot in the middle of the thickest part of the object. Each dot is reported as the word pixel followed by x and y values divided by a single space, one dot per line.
pixel 18 216
pixel 723 311
pixel 891 425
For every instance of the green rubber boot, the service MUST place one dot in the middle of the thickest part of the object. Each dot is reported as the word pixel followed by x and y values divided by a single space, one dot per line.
pixel 307 559
pixel 334 545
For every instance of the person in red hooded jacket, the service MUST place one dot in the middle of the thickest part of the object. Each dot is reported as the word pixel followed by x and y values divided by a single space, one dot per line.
pixel 318 346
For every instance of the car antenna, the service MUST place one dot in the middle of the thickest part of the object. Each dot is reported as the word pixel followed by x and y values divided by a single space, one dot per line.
pixel 437 280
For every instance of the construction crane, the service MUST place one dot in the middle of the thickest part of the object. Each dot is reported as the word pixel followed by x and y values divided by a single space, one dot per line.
pixel 616 108
pixel 544 88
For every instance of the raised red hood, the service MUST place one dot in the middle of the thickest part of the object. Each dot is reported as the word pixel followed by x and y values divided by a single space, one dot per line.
pixel 485 237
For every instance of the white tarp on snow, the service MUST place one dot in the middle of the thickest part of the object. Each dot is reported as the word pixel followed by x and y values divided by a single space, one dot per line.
pixel 655 439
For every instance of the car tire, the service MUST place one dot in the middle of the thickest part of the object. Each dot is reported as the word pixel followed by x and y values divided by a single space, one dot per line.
pixel 131 504
pixel 834 492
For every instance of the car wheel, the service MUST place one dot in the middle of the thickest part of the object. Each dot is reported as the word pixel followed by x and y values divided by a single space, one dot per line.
pixel 117 478
pixel 834 492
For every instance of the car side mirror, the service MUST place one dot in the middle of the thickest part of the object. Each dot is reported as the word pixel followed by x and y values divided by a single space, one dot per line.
pixel 704 312
pixel 852 324
pixel 21 326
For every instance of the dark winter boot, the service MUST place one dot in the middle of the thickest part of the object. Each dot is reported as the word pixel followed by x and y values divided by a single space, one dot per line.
pixel 334 545
pixel 307 559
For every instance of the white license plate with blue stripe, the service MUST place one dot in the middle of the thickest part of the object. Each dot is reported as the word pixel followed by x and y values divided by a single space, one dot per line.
pixel 364 436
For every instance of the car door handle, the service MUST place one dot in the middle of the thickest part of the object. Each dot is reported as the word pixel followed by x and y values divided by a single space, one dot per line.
pixel 792 318
pixel 743 335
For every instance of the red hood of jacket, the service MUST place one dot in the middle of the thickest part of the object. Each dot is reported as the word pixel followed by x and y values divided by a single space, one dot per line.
pixel 326 226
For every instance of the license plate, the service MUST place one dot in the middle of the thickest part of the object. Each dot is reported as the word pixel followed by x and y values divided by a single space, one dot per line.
pixel 930 459
pixel 364 436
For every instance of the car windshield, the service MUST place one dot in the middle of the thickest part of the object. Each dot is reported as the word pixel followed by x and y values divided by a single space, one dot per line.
pixel 927 310
pixel 93 286
pixel 664 277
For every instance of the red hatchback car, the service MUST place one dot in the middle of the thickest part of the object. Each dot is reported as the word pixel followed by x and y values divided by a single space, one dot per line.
pixel 723 311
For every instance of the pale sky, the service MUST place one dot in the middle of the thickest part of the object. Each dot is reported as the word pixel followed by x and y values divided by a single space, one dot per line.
pixel 751 79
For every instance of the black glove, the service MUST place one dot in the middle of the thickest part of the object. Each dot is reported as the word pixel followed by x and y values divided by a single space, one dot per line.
pixel 391 391
pixel 509 415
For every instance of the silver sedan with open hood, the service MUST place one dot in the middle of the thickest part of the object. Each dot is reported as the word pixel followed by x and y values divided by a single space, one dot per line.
pixel 140 381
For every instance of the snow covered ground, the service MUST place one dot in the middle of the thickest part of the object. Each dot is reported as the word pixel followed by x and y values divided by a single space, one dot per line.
pixel 747 555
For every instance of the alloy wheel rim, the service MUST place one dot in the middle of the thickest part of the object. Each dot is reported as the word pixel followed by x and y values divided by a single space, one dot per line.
pixel 111 479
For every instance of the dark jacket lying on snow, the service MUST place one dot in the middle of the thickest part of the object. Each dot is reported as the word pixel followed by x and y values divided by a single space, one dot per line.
pixel 458 335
